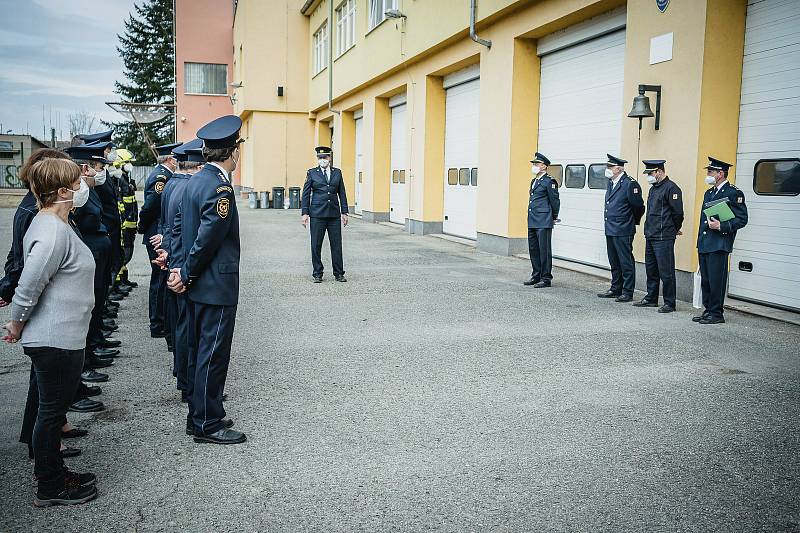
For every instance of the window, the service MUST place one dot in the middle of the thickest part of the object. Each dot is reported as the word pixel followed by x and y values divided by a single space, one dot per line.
pixel 597 176
pixel 361 177
pixel 777 177
pixel 345 26
pixel 575 176
pixel 395 176
pixel 473 177
pixel 452 176
pixel 321 49
pixel 557 173
pixel 377 8
pixel 205 78
pixel 463 176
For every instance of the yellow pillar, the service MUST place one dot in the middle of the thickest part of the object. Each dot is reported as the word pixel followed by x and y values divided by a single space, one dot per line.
pixel 377 159
pixel 344 133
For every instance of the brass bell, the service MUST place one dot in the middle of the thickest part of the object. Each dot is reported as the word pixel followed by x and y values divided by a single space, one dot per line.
pixel 641 107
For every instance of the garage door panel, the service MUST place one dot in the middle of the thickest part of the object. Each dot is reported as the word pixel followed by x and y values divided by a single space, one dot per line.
pixel 769 128
pixel 462 106
pixel 398 193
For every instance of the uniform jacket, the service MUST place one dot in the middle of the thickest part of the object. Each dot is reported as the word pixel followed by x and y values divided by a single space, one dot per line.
pixel 544 204
pixel 664 211
pixel 170 199
pixel 151 209
pixel 110 203
pixel 210 238
pixel 15 262
pixel 322 199
pixel 624 207
pixel 89 218
pixel 709 240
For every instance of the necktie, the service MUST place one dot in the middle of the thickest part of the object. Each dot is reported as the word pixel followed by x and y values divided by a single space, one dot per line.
pixel 327 176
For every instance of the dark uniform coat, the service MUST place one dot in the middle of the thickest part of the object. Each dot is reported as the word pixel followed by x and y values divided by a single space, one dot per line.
pixel 16 256
pixel 210 238
pixel 664 211
pixel 709 240
pixel 151 209
pixel 544 204
pixel 322 199
pixel 624 207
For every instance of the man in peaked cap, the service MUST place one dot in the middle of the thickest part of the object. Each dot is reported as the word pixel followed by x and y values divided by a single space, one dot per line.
pixel 148 226
pixel 715 239
pixel 324 205
pixel 661 226
pixel 543 207
pixel 209 274
pixel 624 208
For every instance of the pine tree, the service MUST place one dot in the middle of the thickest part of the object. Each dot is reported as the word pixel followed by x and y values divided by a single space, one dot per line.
pixel 148 55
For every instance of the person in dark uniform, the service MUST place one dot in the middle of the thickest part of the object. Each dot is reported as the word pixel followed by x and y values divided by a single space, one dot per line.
pixel 129 211
pixel 148 226
pixel 324 201
pixel 662 225
pixel 715 240
pixel 623 210
pixel 543 207
pixel 210 275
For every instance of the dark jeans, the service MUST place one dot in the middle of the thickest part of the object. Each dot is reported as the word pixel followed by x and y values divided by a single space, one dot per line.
pixel 58 373
pixel 714 282
pixel 659 262
pixel 155 302
pixel 334 228
pixel 32 410
pixel 623 268
pixel 541 252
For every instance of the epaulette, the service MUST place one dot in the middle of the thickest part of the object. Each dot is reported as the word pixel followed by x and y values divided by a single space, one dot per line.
pixel 632 178
pixel 224 188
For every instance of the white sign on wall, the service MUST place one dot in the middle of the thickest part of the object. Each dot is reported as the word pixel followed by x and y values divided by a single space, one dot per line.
pixel 661 48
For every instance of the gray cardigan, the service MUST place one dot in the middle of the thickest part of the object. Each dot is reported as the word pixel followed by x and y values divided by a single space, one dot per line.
pixel 55 295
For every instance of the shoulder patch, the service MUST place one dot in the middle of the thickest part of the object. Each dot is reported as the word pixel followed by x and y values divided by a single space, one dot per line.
pixel 159 187
pixel 553 185
pixel 635 190
pixel 224 188
pixel 675 196
pixel 223 207
pixel 740 199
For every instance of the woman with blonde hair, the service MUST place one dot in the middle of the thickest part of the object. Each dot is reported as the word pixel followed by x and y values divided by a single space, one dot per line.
pixel 50 314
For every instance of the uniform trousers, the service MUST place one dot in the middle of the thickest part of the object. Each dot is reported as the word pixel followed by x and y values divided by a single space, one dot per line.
pixel 334 228
pixel 156 307
pixel 623 268
pixel 714 281
pixel 659 262
pixel 541 253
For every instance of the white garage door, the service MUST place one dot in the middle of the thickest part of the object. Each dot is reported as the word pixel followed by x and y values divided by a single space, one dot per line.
pixel 580 120
pixel 398 193
pixel 359 120
pixel 461 152
pixel 765 264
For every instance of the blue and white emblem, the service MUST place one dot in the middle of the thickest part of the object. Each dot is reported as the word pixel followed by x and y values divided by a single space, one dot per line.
pixel 662 5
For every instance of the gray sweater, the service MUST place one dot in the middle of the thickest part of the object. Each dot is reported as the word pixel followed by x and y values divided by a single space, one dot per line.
pixel 55 295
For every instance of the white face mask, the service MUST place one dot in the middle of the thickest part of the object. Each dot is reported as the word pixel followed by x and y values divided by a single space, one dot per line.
pixel 609 173
pixel 100 177
pixel 651 179
pixel 114 171
pixel 128 167
pixel 711 180
pixel 323 163
pixel 79 197
pixel 536 169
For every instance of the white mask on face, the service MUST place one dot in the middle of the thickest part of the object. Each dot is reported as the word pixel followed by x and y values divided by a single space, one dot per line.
pixel 128 167
pixel 114 171
pixel 609 173
pixel 535 170
pixel 323 163
pixel 651 179
pixel 711 180
pixel 100 177
pixel 79 197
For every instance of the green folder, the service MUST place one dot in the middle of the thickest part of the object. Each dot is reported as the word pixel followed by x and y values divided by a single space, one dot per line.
pixel 719 210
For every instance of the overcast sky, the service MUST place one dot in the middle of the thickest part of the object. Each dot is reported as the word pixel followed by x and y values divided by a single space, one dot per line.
pixel 61 54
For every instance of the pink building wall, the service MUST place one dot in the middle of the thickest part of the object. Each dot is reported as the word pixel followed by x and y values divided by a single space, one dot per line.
pixel 203 34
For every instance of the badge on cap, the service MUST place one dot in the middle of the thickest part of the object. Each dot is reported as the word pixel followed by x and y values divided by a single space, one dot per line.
pixel 223 207
pixel 159 187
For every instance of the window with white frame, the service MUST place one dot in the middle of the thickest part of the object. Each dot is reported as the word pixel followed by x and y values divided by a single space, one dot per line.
pixel 345 26
pixel 205 78
pixel 321 48
pixel 377 10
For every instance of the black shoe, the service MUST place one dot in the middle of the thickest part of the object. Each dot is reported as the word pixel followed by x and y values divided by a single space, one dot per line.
pixel 158 334
pixel 624 298
pixel 115 297
pixel 113 306
pixel 317 279
pixel 108 331
pixel 74 433
pixel 93 376
pixel 129 283
pixel 341 279
pixel 608 294
pixel 712 320
pixel 109 324
pixel 666 309
pixel 87 391
pixel 119 289
pixel 644 302
pixel 110 314
pixel 699 318
pixel 227 423
pixel 83 480
pixel 109 343
pixel 86 405
pixel 68 452
pixel 99 362
pixel 542 285
pixel 103 352
pixel 72 495
pixel 223 436
pixel 532 281
pixel 189 427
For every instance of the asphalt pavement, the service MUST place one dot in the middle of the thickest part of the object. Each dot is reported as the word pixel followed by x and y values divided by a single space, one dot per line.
pixel 433 391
